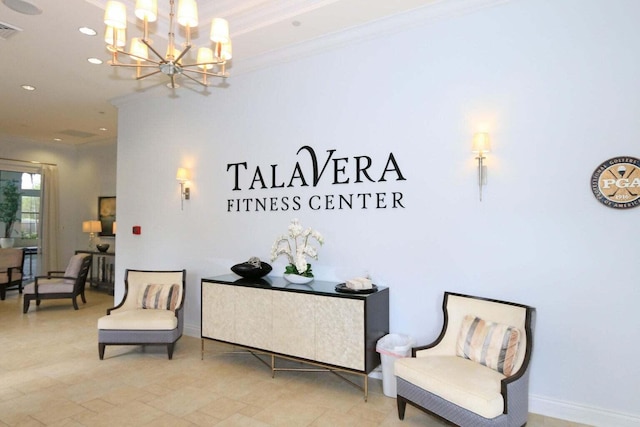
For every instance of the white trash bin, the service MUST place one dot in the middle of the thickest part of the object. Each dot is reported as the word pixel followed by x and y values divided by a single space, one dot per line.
pixel 392 347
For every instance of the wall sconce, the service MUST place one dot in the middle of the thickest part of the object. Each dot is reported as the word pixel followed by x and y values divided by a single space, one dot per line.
pixel 114 228
pixel 481 145
pixel 91 227
pixel 183 175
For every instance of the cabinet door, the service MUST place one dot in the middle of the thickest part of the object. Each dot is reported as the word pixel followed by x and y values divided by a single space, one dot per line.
pixel 253 317
pixel 218 312
pixel 294 324
pixel 340 332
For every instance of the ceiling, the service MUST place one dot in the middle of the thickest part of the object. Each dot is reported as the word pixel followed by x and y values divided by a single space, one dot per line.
pixel 71 102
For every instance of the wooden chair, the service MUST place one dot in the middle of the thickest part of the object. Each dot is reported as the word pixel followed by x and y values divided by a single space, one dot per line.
pixel 151 312
pixel 476 373
pixel 60 284
pixel 11 261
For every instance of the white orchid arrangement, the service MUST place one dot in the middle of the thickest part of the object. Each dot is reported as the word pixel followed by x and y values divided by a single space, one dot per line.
pixel 297 247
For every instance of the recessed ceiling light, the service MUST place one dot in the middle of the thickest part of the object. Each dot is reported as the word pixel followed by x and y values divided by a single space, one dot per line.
pixel 103 129
pixel 57 139
pixel 94 61
pixel 23 7
pixel 87 31
pixel 28 87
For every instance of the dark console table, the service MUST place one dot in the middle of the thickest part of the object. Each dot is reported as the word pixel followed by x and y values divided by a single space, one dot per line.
pixel 311 323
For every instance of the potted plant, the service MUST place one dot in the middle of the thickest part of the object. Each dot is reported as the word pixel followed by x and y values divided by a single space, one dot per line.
pixel 9 211
pixel 296 247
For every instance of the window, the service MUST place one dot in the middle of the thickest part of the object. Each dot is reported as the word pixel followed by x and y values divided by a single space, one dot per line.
pixel 30 206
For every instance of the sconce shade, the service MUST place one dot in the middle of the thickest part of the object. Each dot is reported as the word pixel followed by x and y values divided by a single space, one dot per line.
pixel 91 226
pixel 183 174
pixel 114 227
pixel 481 143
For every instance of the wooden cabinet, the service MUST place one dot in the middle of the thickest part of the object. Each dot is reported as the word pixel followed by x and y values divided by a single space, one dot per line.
pixel 309 322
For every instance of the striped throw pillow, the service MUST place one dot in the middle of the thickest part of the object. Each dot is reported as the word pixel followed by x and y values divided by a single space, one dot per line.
pixel 159 297
pixel 493 345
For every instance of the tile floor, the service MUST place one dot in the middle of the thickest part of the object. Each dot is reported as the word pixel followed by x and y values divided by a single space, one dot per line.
pixel 50 375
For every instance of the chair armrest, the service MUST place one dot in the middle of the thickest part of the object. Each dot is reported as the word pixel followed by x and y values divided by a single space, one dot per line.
pixel 10 271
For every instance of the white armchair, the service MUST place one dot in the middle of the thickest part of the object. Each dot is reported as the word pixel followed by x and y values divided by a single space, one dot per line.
pixel 476 373
pixel 151 312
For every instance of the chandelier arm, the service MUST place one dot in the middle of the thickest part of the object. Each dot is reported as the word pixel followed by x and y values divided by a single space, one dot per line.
pixel 141 58
pixel 155 52
pixel 186 49
pixel 203 73
pixel 191 78
pixel 119 64
pixel 147 75
pixel 173 81
pixel 201 64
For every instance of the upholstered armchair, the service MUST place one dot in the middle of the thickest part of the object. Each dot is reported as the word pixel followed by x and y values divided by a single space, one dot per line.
pixel 151 312
pixel 60 284
pixel 11 261
pixel 476 373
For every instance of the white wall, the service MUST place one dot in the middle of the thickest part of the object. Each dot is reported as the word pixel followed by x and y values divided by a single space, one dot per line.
pixel 555 83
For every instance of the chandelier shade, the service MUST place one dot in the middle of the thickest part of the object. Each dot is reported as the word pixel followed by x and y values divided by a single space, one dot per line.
pixel 210 62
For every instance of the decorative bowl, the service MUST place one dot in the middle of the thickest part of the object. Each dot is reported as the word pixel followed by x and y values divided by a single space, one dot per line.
pixel 102 247
pixel 250 271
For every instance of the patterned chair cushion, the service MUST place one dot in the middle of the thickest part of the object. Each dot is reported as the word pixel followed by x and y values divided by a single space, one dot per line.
pixel 491 344
pixel 159 297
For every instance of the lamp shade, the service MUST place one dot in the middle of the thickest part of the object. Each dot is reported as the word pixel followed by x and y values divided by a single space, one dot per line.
pixel 121 37
pixel 138 49
pixel 481 143
pixel 183 174
pixel 115 15
pixel 91 226
pixel 147 9
pixel 188 13
pixel 205 58
pixel 219 30
pixel 225 51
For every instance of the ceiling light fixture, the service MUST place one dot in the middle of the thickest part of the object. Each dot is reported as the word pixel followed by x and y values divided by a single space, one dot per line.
pixel 171 64
pixel 28 87
pixel 87 31
pixel 94 61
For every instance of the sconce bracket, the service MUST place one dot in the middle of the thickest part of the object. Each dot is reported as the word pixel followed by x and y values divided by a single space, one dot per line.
pixel 187 193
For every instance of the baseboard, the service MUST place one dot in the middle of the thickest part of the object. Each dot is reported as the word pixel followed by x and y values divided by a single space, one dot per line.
pixel 575 412
pixel 191 330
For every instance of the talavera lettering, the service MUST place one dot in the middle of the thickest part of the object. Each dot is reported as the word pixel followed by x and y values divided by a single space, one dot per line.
pixel 335 170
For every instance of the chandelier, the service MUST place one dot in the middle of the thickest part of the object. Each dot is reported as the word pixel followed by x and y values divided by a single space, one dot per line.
pixel 209 62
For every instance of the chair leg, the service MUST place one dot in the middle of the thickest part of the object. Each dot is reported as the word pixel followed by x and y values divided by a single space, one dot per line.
pixel 402 405
pixel 75 303
pixel 170 351
pixel 3 293
pixel 38 302
pixel 25 304
pixel 84 300
pixel 101 350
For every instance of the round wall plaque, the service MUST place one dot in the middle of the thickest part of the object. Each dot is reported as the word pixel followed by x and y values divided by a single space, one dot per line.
pixel 616 182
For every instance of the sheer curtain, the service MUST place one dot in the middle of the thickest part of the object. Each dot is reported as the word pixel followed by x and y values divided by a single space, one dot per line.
pixel 50 218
